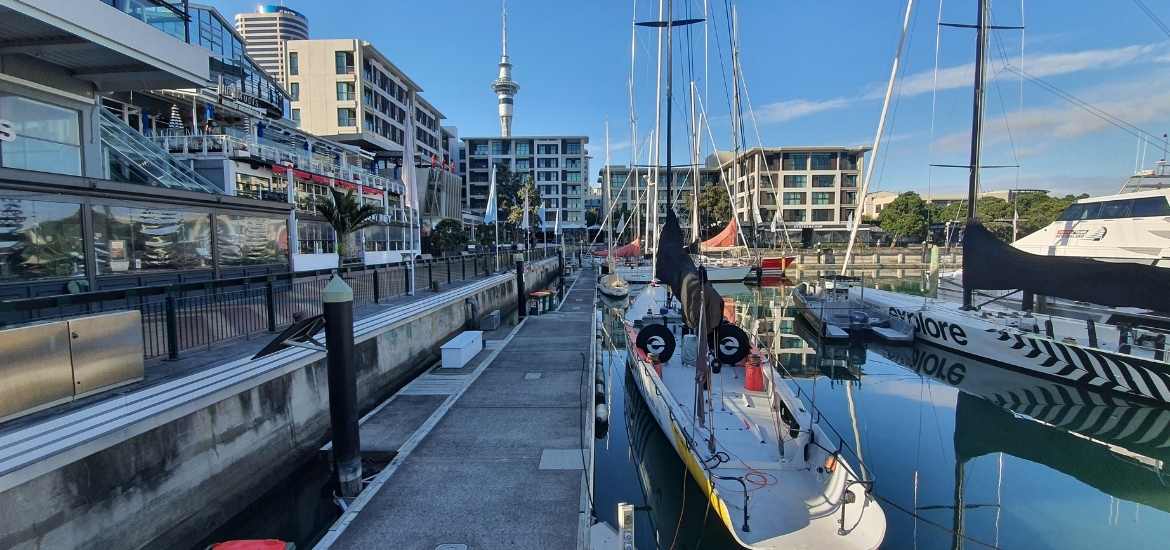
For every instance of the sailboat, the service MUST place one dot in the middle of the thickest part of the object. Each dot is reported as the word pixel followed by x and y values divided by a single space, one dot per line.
pixel 771 473
pixel 612 285
pixel 1126 360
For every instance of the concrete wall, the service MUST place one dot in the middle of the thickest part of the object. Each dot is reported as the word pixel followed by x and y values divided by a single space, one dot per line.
pixel 171 485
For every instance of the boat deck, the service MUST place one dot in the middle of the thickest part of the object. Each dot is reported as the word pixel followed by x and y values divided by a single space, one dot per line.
pixel 498 464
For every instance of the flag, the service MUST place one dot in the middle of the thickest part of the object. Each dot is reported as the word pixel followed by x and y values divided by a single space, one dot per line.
pixel 524 214
pixel 489 215
pixel 540 215
pixel 557 225
pixel 776 222
pixel 1015 221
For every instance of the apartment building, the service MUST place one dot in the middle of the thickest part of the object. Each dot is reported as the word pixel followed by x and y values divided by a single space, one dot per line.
pixel 265 33
pixel 811 187
pixel 629 189
pixel 557 165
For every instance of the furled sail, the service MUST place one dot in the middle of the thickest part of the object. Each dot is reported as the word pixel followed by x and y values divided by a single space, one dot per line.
pixel 675 268
pixel 991 264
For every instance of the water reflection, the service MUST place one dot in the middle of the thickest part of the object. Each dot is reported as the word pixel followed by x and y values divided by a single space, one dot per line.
pixel 964 454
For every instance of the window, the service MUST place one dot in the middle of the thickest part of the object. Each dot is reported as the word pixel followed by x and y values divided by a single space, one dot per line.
pixel 572 148
pixel 822 198
pixel 345 91
pixel 794 181
pixel 294 64
pixel 848 198
pixel 294 90
pixel 343 62
pixel 793 215
pixel 794 198
pixel 547 149
pixel 248 240
pixel 796 161
pixel 346 117
pixel 128 239
pixel 296 116
pixel 375 239
pixel 523 164
pixel 46 138
pixel 1150 206
pixel 315 237
pixel 824 161
pixel 523 149
pixel 846 215
pixel 848 180
pixel 40 240
pixel 824 180
pixel 573 176
pixel 848 161
pixel 822 215
pixel 546 163
pixel 259 187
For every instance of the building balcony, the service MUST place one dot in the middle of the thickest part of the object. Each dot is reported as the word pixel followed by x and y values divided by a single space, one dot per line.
pixel 216 145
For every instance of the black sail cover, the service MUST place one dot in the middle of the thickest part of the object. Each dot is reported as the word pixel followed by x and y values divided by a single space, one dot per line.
pixel 676 269
pixel 991 264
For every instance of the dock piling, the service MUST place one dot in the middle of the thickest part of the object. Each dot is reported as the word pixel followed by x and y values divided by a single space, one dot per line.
pixel 343 414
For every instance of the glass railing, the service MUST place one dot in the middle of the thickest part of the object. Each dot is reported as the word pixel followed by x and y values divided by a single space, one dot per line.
pixel 135 158
pixel 232 146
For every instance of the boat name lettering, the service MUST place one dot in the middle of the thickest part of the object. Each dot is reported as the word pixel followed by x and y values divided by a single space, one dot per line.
pixel 936 329
pixel 929 364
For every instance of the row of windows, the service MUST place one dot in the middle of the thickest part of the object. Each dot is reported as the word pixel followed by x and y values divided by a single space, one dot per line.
pixel 1122 208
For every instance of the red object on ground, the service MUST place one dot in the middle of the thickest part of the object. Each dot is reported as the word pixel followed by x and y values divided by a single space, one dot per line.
pixel 259 544
pixel 753 373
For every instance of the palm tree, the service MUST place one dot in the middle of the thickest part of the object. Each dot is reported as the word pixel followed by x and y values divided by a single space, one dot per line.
pixel 347 217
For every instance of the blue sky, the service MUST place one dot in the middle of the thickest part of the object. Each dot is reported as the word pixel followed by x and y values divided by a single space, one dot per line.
pixel 815 71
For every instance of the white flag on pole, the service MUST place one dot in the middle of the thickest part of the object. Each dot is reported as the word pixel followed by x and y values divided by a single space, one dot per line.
pixel 557 225
pixel 524 214
pixel 489 215
pixel 776 222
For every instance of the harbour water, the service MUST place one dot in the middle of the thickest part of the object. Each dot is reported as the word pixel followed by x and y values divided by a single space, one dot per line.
pixel 963 454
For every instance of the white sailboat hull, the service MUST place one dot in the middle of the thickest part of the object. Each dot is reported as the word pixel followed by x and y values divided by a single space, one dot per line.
pixel 716 274
pixel 993 339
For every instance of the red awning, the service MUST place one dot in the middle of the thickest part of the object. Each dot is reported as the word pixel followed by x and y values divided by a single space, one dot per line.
pixel 725 238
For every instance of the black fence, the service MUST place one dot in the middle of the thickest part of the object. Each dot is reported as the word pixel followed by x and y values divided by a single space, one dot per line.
pixel 191 316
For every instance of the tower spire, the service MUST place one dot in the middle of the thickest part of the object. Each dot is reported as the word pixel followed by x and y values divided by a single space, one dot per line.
pixel 503 86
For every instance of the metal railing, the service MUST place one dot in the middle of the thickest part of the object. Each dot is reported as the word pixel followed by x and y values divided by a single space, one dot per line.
pixel 190 316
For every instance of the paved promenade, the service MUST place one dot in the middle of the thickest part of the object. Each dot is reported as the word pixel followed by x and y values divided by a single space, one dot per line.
pixel 490 457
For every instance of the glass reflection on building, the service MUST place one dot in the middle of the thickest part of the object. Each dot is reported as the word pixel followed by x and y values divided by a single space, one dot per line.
pixel 40 240
pixel 150 239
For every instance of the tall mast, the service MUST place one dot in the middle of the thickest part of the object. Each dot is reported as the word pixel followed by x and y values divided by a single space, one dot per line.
pixel 633 177
pixel 736 121
pixel 656 160
pixel 696 145
pixel 877 138
pixel 608 201
pixel 669 104
pixel 976 127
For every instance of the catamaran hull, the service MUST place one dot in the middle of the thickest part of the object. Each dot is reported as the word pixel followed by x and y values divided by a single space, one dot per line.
pixel 969 335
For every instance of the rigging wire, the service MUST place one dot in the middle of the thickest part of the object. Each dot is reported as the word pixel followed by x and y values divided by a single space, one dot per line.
pixel 1153 16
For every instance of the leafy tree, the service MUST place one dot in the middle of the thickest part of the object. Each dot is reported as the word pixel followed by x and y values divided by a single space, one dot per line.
pixel 905 217
pixel 347 217
pixel 485 234
pixel 714 209
pixel 447 236
pixel 592 217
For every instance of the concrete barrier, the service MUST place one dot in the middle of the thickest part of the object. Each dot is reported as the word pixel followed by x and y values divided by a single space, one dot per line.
pixel 163 466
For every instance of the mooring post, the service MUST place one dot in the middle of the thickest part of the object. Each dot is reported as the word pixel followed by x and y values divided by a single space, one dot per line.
pixel 343 413
pixel 521 296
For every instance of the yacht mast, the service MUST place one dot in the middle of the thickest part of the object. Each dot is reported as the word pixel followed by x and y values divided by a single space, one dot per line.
pixel 608 202
pixel 633 174
pixel 976 128
pixel 652 184
pixel 877 138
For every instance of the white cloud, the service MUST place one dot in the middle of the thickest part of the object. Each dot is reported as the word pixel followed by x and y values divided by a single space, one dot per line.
pixel 782 111
pixel 960 76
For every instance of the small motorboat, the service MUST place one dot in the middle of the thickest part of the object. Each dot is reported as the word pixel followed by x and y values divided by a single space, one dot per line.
pixel 836 315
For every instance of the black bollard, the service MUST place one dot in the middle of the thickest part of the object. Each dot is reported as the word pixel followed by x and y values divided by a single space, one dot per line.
pixel 343 413
pixel 521 297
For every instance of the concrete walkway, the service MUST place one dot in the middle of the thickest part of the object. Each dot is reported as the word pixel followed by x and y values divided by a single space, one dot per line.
pixel 498 463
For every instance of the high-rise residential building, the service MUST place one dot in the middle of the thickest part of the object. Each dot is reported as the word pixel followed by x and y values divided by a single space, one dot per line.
pixel 557 165
pixel 265 33
pixel 503 86
pixel 811 187
pixel 346 90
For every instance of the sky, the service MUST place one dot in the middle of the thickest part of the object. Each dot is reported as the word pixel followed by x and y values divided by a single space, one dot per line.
pixel 814 73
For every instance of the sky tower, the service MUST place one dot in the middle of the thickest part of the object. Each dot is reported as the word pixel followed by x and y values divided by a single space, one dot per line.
pixel 503 85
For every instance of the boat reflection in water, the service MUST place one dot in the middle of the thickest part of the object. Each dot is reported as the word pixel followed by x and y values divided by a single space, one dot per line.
pixel 963 454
